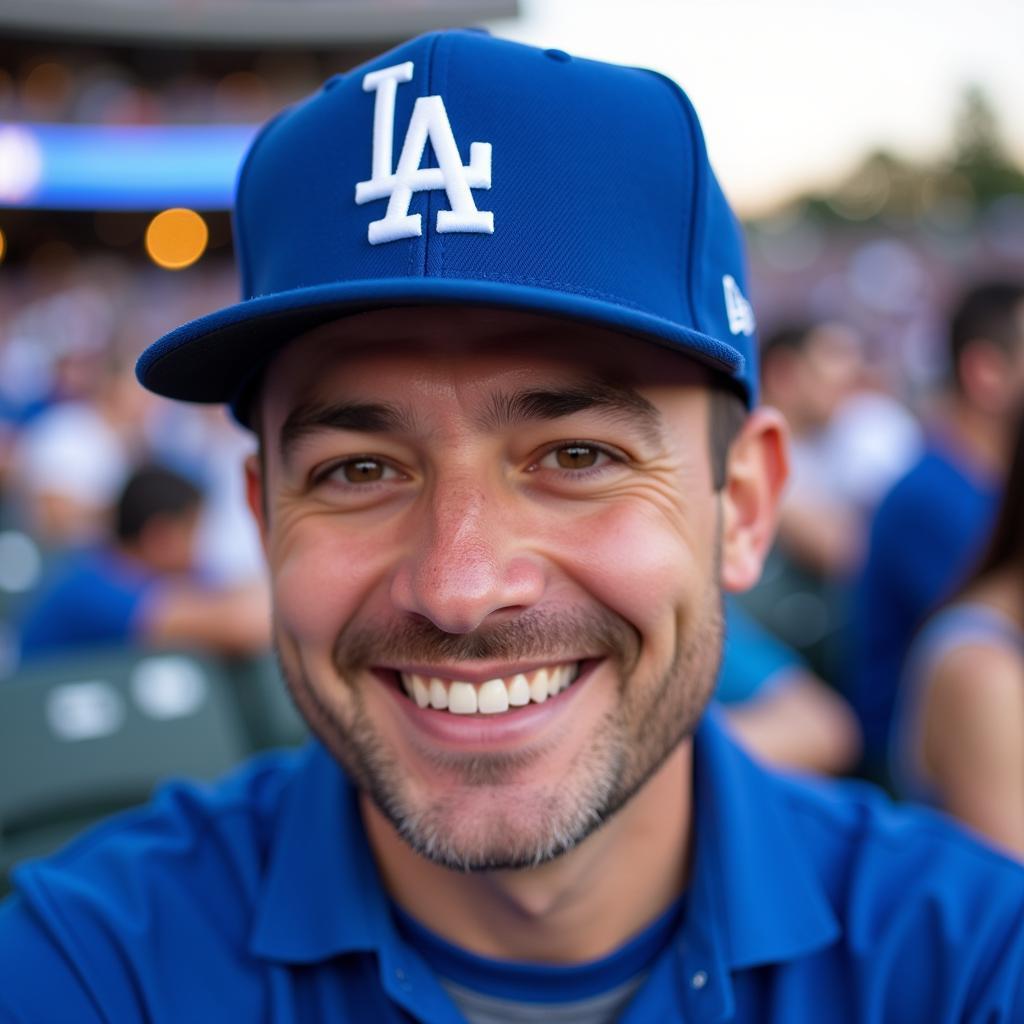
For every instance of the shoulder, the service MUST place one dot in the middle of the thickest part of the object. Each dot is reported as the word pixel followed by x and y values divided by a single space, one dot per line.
pixel 175 880
pixel 931 475
pixel 226 825
pixel 889 866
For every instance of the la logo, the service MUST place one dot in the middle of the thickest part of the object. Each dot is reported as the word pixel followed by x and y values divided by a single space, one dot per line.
pixel 429 121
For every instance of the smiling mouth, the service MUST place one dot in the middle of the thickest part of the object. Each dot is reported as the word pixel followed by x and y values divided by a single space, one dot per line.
pixel 493 697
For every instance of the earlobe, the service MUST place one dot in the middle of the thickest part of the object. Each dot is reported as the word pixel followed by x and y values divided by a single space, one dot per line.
pixel 255 497
pixel 756 472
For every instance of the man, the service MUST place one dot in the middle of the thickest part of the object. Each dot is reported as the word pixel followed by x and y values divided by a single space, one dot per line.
pixel 140 587
pixel 495 401
pixel 934 522
pixel 848 444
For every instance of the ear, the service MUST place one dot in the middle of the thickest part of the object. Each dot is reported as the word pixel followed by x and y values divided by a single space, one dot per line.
pixel 756 472
pixel 255 495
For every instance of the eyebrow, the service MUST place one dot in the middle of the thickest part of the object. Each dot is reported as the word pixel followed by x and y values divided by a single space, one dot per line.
pixel 361 417
pixel 507 410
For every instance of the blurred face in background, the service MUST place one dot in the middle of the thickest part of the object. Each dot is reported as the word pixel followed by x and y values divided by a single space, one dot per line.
pixel 811 382
pixel 459 500
pixel 991 376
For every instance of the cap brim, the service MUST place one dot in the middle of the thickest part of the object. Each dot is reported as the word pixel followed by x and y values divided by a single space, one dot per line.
pixel 216 357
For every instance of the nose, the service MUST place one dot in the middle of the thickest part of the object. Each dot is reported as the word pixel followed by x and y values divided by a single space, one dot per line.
pixel 466 560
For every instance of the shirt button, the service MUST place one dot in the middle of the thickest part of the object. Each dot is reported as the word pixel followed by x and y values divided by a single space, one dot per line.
pixel 699 979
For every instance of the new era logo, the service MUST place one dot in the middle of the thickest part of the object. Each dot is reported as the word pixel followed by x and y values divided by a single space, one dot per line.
pixel 429 122
pixel 738 310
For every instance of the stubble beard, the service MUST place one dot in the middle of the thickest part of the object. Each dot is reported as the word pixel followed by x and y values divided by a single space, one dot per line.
pixel 630 744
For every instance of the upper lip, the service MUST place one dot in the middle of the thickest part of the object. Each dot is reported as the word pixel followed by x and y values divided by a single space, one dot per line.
pixel 479 672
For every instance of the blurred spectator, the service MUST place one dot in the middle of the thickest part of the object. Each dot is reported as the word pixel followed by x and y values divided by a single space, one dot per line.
pixel 209 447
pixel 138 588
pixel 848 444
pixel 72 459
pixel 777 706
pixel 959 728
pixel 928 529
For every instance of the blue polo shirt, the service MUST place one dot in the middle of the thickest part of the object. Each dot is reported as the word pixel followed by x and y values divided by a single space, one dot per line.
pixel 258 900
pixel 925 536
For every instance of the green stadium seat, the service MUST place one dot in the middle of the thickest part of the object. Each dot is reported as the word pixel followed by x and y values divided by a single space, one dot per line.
pixel 268 715
pixel 86 735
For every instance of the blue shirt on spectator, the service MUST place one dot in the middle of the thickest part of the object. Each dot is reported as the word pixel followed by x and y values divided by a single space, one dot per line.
pixel 924 538
pixel 94 598
pixel 258 899
pixel 753 659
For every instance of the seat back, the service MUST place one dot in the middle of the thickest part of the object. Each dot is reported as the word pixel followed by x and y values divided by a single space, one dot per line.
pixel 86 735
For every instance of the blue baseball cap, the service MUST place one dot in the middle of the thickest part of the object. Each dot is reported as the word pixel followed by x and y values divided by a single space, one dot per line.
pixel 463 169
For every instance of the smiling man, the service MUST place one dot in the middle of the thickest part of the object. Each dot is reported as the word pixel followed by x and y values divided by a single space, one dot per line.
pixel 495 346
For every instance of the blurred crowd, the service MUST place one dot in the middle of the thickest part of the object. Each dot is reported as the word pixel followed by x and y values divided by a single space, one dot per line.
pixel 88 86
pixel 886 638
pixel 122 517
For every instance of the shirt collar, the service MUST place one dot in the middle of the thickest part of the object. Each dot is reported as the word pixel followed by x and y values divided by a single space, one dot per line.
pixel 321 895
pixel 755 896
pixel 752 879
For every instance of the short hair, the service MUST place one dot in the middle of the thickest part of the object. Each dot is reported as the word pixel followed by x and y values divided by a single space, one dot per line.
pixel 727 413
pixel 988 312
pixel 791 337
pixel 153 492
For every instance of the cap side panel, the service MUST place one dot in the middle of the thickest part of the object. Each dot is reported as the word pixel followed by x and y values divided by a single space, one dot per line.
pixel 431 239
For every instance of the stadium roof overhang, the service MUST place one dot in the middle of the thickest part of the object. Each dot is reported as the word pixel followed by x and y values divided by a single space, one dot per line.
pixel 226 24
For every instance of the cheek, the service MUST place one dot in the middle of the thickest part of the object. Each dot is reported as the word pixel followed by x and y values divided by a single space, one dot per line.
pixel 642 564
pixel 322 576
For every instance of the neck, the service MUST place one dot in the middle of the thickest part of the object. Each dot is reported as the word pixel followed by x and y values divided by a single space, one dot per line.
pixel 578 907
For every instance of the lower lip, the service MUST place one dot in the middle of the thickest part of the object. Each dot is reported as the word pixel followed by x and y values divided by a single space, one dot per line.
pixel 508 728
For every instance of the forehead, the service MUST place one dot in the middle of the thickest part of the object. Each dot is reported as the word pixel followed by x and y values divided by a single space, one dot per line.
pixel 419 350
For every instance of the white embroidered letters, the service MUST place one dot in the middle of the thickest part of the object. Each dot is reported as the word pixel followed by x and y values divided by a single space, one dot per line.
pixel 737 308
pixel 429 121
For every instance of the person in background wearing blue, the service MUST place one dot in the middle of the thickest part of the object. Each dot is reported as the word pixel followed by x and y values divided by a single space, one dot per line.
pixel 933 523
pixel 958 738
pixel 779 709
pixel 140 588
pixel 511 454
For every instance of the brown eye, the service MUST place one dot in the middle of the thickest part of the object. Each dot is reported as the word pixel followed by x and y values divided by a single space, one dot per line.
pixel 577 456
pixel 363 471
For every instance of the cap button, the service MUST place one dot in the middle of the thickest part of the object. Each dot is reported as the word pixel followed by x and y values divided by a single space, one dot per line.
pixel 559 55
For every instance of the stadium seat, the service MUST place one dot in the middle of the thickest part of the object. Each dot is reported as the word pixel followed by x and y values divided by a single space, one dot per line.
pixel 266 710
pixel 88 735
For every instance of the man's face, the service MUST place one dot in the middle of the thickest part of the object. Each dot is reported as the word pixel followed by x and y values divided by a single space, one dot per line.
pixel 505 515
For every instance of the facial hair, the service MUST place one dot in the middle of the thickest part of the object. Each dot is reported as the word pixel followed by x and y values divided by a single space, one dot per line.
pixel 651 718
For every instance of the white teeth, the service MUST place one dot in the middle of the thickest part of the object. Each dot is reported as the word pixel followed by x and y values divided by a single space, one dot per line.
pixel 555 682
pixel 539 687
pixel 420 691
pixel 490 698
pixel 493 697
pixel 438 694
pixel 519 691
pixel 564 676
pixel 462 699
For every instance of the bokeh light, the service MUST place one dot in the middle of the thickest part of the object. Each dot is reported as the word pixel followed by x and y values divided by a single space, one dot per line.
pixel 176 238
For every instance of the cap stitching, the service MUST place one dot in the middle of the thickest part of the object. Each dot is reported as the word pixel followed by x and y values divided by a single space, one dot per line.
pixel 429 158
pixel 443 51
pixel 697 150
pixel 245 269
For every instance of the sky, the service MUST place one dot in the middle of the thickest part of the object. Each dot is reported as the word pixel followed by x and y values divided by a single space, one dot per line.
pixel 791 94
